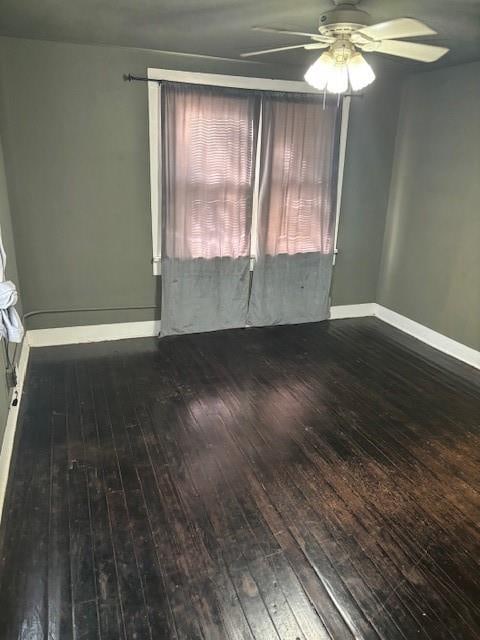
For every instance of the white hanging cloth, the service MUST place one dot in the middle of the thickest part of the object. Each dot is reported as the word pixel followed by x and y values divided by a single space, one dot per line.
pixel 11 327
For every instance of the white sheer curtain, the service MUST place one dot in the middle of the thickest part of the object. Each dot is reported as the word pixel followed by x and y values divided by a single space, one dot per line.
pixel 209 137
pixel 296 212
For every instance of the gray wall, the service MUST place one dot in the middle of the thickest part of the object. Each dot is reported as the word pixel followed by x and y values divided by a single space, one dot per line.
pixel 7 237
pixel 368 167
pixel 431 258
pixel 76 146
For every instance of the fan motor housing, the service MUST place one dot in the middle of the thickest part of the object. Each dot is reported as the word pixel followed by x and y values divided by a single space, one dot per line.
pixel 344 19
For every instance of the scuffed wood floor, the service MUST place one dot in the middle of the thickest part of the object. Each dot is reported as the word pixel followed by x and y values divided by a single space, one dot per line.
pixel 311 482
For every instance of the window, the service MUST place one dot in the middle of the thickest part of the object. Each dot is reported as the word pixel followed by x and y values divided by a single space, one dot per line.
pixel 209 136
pixel 199 181
pixel 298 171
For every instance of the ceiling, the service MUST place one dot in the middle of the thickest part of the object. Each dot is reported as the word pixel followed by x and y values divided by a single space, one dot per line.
pixel 222 27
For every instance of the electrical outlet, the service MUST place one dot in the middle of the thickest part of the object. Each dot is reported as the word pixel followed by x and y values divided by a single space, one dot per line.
pixel 11 376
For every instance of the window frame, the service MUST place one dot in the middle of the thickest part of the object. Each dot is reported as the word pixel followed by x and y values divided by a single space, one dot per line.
pixel 239 82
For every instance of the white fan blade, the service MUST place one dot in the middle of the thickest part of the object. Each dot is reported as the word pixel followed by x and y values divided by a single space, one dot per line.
pixel 411 50
pixel 317 36
pixel 399 28
pixel 260 53
pixel 316 45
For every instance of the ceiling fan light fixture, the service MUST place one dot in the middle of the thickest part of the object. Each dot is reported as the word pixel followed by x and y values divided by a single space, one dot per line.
pixel 318 75
pixel 360 72
pixel 344 32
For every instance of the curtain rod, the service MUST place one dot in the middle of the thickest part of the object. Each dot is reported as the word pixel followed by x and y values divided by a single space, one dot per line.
pixel 128 77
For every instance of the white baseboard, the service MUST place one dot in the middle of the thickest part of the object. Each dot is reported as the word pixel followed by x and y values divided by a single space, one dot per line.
pixel 92 333
pixel 352 311
pixel 122 330
pixel 11 425
pixel 421 332
pixel 429 336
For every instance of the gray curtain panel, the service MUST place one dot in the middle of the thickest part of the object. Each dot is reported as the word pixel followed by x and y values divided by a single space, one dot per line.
pixel 296 213
pixel 209 139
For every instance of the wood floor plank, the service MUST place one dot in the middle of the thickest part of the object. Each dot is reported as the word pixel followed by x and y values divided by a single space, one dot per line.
pixel 130 588
pixel 59 603
pixel 176 583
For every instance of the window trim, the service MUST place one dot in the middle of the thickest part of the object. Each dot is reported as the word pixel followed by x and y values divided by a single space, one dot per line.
pixel 220 80
pixel 342 152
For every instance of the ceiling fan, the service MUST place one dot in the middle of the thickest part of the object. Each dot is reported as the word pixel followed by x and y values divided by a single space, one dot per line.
pixel 345 31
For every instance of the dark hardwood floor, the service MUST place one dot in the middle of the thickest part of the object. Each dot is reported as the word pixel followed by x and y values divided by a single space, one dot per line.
pixel 311 482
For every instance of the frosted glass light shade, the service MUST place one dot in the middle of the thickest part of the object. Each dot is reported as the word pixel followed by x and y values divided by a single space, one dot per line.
pixel 318 74
pixel 338 80
pixel 360 72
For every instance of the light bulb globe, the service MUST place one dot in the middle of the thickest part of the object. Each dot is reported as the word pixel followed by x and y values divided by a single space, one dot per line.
pixel 360 72
pixel 318 74
pixel 338 80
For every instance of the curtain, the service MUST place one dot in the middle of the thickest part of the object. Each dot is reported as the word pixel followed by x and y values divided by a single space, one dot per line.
pixel 296 213
pixel 209 139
